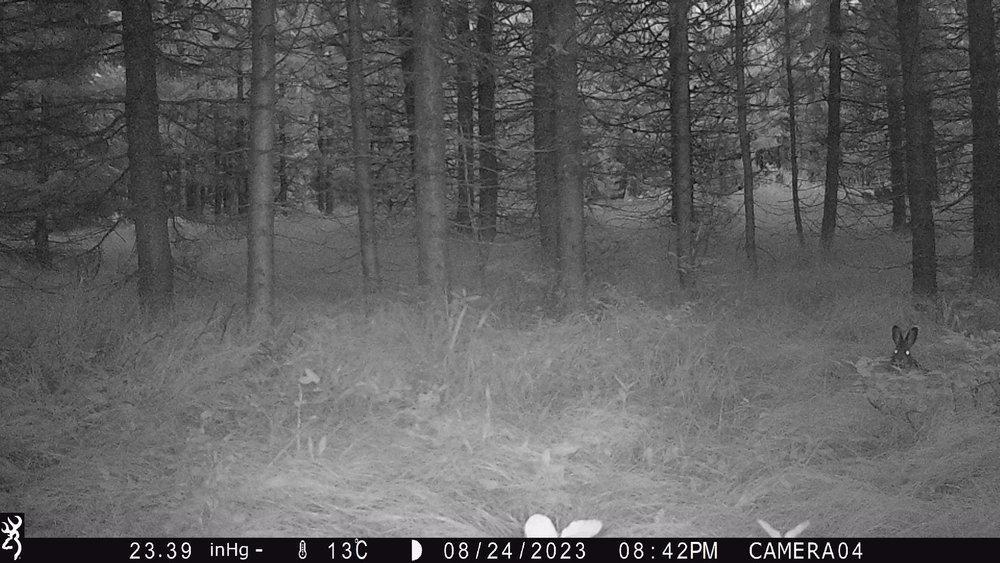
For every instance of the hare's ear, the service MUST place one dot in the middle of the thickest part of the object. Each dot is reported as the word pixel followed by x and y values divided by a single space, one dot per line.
pixel 582 529
pixel 897 335
pixel 771 532
pixel 540 526
pixel 794 532
pixel 911 337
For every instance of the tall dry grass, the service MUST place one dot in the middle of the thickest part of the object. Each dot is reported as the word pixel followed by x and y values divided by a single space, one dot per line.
pixel 392 415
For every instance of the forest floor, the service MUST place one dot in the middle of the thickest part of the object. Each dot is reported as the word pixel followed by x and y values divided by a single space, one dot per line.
pixel 659 413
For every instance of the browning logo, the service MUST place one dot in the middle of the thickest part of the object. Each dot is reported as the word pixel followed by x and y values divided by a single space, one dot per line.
pixel 10 526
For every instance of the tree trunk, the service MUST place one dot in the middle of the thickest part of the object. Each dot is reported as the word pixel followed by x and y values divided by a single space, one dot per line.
pixel 489 164
pixel 572 281
pixel 260 231
pixel 242 155
pixel 680 128
pixel 919 177
pixel 985 139
pixel 362 144
pixel 792 128
pixel 406 62
pixel 191 187
pixel 897 151
pixel 218 175
pixel 464 214
pixel 543 113
pixel 236 164
pixel 750 223
pixel 284 182
pixel 930 154
pixel 884 36
pixel 432 220
pixel 321 182
pixel 148 203
pixel 832 186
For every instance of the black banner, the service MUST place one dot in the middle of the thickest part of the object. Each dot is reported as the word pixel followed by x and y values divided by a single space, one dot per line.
pixel 603 550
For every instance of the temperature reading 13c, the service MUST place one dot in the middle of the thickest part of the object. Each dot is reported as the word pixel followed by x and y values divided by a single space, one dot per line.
pixel 349 550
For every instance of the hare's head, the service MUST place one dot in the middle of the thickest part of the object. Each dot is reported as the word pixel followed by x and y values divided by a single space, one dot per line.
pixel 901 356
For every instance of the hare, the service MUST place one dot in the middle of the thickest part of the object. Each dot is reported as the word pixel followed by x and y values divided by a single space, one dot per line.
pixel 901 357
pixel 904 390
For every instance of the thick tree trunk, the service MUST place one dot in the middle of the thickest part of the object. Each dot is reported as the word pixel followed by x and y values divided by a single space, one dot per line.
pixel 680 129
pixel 148 203
pixel 930 152
pixel 572 280
pixel 432 220
pixel 897 151
pixel 832 186
pixel 361 139
pixel 260 232
pixel 985 139
pixel 919 170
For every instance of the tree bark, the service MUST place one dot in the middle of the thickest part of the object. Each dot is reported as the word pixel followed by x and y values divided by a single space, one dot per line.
pixel 919 170
pixel 432 220
pixel 192 184
pixel 897 151
pixel 260 231
pixel 930 152
pixel 489 163
pixel 284 182
pixel 219 177
pixel 680 129
pixel 793 147
pixel 404 9
pixel 362 146
pixel 750 222
pixel 572 280
pixel 321 182
pixel 544 137
pixel 465 106
pixel 832 186
pixel 884 39
pixel 240 167
pixel 985 139
pixel 146 195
